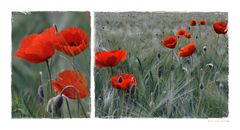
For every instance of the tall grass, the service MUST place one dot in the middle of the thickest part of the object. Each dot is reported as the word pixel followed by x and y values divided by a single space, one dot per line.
pixel 168 86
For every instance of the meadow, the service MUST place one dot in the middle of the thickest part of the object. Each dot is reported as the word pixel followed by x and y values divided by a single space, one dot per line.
pixel 30 82
pixel 168 86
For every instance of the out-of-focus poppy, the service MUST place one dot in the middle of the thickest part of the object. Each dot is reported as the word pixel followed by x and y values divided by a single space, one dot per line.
pixel 192 22
pixel 202 22
pixel 187 50
pixel 109 58
pixel 37 48
pixel 181 32
pixel 170 41
pixel 220 27
pixel 123 81
pixel 71 78
pixel 188 35
pixel 73 41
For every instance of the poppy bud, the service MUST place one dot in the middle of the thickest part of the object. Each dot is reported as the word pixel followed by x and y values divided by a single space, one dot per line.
pixel 172 67
pixel 196 37
pixel 221 85
pixel 40 93
pixel 160 71
pixel 40 89
pixel 201 87
pixel 159 55
pixel 210 65
pixel 58 101
pixel 49 107
pixel 204 48
pixel 54 104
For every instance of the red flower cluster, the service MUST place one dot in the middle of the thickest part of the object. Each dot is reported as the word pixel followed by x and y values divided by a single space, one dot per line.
pixel 73 41
pixel 123 81
pixel 37 48
pixel 192 22
pixel 220 27
pixel 187 50
pixel 184 33
pixel 71 78
pixel 109 58
pixel 170 41
pixel 181 32
pixel 202 22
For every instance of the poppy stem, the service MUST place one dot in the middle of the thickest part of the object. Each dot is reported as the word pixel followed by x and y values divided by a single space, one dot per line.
pixel 73 63
pixel 112 70
pixel 50 76
pixel 69 112
pixel 79 101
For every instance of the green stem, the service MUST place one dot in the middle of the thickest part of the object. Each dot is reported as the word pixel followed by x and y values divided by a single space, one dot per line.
pixel 69 112
pixel 78 99
pixel 50 76
pixel 73 63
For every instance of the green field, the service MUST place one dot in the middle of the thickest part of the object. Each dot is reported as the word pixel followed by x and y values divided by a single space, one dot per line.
pixel 25 75
pixel 168 86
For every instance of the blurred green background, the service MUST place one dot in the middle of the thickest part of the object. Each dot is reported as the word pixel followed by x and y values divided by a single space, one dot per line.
pixel 25 75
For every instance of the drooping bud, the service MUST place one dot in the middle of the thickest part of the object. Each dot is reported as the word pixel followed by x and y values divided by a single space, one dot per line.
pixel 54 104
pixel 49 107
pixel 40 89
pixel 58 101
pixel 40 93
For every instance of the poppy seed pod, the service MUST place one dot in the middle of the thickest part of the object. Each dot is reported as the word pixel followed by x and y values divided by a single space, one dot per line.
pixel 210 65
pixel 204 48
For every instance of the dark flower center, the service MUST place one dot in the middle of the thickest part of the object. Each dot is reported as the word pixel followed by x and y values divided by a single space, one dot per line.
pixel 120 79
pixel 73 44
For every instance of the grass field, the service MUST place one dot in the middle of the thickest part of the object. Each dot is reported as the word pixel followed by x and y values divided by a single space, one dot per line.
pixel 25 75
pixel 168 86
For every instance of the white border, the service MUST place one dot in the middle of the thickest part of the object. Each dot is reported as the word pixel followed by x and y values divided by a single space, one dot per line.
pixel 7 6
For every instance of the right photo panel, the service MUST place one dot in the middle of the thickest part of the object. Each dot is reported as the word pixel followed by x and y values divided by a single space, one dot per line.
pixel 161 64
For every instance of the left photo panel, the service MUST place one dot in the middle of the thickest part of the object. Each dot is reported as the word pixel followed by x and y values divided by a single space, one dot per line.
pixel 51 64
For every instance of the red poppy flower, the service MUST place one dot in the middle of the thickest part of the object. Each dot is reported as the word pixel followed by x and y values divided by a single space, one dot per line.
pixel 74 41
pixel 71 78
pixel 181 32
pixel 170 41
pixel 202 22
pixel 123 81
pixel 37 48
pixel 109 58
pixel 188 35
pixel 187 50
pixel 192 23
pixel 220 27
